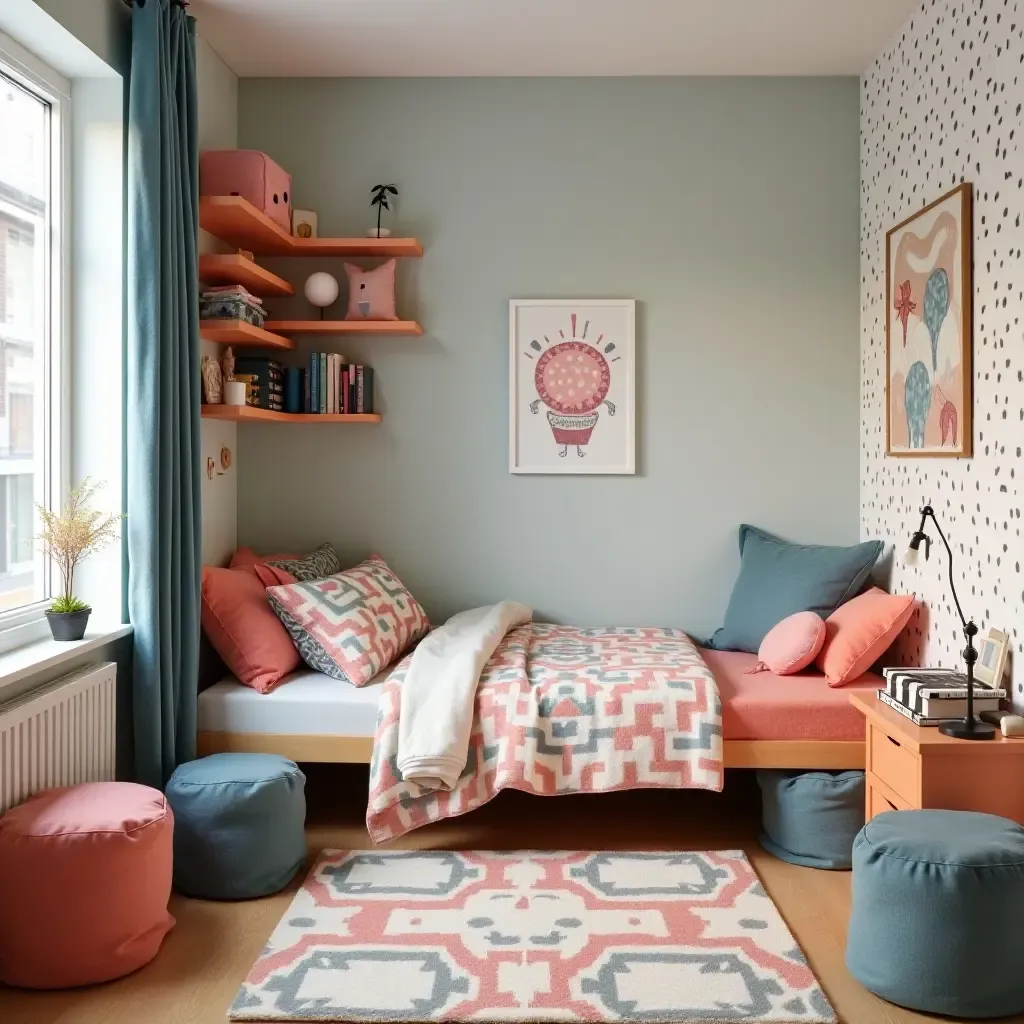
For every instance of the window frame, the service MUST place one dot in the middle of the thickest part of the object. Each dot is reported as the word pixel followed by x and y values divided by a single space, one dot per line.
pixel 27 623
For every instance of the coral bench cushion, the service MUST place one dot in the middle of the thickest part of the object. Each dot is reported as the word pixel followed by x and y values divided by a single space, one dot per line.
pixel 85 876
pixel 766 706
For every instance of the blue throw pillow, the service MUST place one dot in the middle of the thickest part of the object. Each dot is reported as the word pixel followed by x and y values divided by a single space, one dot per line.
pixel 778 579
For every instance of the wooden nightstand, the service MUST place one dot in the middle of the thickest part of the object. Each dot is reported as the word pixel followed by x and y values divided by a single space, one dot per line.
pixel 911 767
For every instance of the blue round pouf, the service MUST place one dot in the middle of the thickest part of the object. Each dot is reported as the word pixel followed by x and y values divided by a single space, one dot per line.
pixel 938 908
pixel 811 818
pixel 239 825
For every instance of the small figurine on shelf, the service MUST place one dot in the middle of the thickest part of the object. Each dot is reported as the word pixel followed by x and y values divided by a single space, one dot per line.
pixel 212 381
pixel 227 363
pixel 380 200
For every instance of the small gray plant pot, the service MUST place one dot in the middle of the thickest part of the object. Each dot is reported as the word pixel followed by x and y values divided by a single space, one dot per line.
pixel 68 625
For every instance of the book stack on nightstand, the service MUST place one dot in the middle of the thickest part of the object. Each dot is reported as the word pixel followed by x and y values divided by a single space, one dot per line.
pixel 931 696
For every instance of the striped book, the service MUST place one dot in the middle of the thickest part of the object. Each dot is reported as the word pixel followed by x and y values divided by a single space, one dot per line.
pixel 913 686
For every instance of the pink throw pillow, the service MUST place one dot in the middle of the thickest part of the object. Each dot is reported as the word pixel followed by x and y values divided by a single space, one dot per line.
pixel 371 293
pixel 791 645
pixel 860 632
pixel 351 625
pixel 243 629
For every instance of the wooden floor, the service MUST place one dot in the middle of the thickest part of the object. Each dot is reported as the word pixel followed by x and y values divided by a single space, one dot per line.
pixel 206 957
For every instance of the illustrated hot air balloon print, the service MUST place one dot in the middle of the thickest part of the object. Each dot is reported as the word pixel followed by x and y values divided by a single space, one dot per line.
pixel 918 401
pixel 572 379
pixel 936 306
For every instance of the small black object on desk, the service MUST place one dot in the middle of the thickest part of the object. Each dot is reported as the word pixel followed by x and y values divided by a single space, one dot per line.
pixel 968 728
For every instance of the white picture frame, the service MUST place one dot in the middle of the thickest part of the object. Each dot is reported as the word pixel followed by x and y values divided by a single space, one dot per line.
pixel 304 224
pixel 992 652
pixel 589 426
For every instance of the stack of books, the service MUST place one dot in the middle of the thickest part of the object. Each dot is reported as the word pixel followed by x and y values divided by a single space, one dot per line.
pixel 333 386
pixel 931 696
pixel 266 387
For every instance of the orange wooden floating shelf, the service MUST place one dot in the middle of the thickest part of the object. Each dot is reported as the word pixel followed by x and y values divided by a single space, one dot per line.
pixel 236 221
pixel 344 326
pixel 238 332
pixel 233 268
pixel 248 413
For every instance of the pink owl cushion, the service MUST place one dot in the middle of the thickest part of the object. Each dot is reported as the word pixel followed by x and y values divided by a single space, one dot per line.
pixel 791 645
pixel 371 293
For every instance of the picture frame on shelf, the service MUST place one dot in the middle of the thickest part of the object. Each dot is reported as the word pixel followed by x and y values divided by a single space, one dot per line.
pixel 992 655
pixel 304 224
pixel 572 386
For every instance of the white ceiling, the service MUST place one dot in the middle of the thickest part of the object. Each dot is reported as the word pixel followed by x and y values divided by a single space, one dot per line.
pixel 549 37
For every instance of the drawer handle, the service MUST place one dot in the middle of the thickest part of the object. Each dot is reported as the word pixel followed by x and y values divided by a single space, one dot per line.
pixel 895 743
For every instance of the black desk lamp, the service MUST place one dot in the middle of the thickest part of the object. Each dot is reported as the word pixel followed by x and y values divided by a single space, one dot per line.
pixel 969 728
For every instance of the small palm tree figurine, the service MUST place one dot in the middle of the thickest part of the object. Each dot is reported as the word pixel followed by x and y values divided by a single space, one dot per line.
pixel 380 200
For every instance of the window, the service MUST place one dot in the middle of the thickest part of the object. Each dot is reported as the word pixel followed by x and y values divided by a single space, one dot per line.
pixel 33 116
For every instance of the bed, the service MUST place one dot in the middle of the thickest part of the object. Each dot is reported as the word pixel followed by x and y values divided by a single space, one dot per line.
pixel 768 721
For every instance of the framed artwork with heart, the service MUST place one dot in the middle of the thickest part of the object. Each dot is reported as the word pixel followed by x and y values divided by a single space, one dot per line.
pixel 928 286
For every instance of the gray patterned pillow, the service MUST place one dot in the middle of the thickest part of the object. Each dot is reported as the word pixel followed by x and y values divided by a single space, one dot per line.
pixel 317 565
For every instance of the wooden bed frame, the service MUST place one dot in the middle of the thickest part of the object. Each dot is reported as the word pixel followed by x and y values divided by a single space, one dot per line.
pixel 808 754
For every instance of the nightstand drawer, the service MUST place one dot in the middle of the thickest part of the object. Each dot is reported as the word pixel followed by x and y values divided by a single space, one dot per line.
pixel 879 801
pixel 896 766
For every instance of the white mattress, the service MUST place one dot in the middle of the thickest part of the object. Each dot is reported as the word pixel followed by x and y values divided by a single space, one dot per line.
pixel 307 703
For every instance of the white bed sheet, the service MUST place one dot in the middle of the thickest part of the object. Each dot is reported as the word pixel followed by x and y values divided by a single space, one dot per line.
pixel 307 703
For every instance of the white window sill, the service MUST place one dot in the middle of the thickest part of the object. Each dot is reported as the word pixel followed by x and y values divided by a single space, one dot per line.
pixel 22 663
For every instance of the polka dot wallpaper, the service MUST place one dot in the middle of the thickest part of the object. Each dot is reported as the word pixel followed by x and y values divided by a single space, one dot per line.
pixel 942 105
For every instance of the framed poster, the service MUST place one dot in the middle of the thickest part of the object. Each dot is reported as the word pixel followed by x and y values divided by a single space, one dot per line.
pixel 572 386
pixel 928 289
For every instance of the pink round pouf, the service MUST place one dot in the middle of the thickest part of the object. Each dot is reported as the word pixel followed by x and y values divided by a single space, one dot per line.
pixel 85 876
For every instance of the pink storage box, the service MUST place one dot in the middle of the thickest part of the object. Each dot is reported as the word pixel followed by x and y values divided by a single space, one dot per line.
pixel 253 176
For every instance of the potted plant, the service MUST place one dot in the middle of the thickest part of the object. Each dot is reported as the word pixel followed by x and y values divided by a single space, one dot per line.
pixel 380 200
pixel 67 537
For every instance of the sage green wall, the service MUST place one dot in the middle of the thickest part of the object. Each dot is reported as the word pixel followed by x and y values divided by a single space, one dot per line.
pixel 103 25
pixel 728 208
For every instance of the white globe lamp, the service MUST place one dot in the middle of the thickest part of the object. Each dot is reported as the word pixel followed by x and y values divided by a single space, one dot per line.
pixel 321 290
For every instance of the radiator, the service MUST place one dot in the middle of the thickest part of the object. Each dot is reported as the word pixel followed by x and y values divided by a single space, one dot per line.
pixel 59 735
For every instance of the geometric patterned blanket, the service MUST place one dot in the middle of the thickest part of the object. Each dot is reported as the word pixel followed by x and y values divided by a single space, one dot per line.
pixel 561 709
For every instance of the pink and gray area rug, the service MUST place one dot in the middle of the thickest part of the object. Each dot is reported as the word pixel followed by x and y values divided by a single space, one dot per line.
pixel 664 938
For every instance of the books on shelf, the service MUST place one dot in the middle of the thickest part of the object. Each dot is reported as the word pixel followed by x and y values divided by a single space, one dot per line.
pixel 266 387
pixel 334 387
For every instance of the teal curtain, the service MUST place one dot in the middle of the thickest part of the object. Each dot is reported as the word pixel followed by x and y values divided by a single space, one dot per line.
pixel 162 370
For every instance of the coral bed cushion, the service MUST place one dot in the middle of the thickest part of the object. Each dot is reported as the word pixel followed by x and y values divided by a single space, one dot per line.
pixel 239 623
pixel 772 707
pixel 247 560
pixel 860 632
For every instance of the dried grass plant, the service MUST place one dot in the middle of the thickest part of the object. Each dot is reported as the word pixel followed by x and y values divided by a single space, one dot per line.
pixel 71 535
